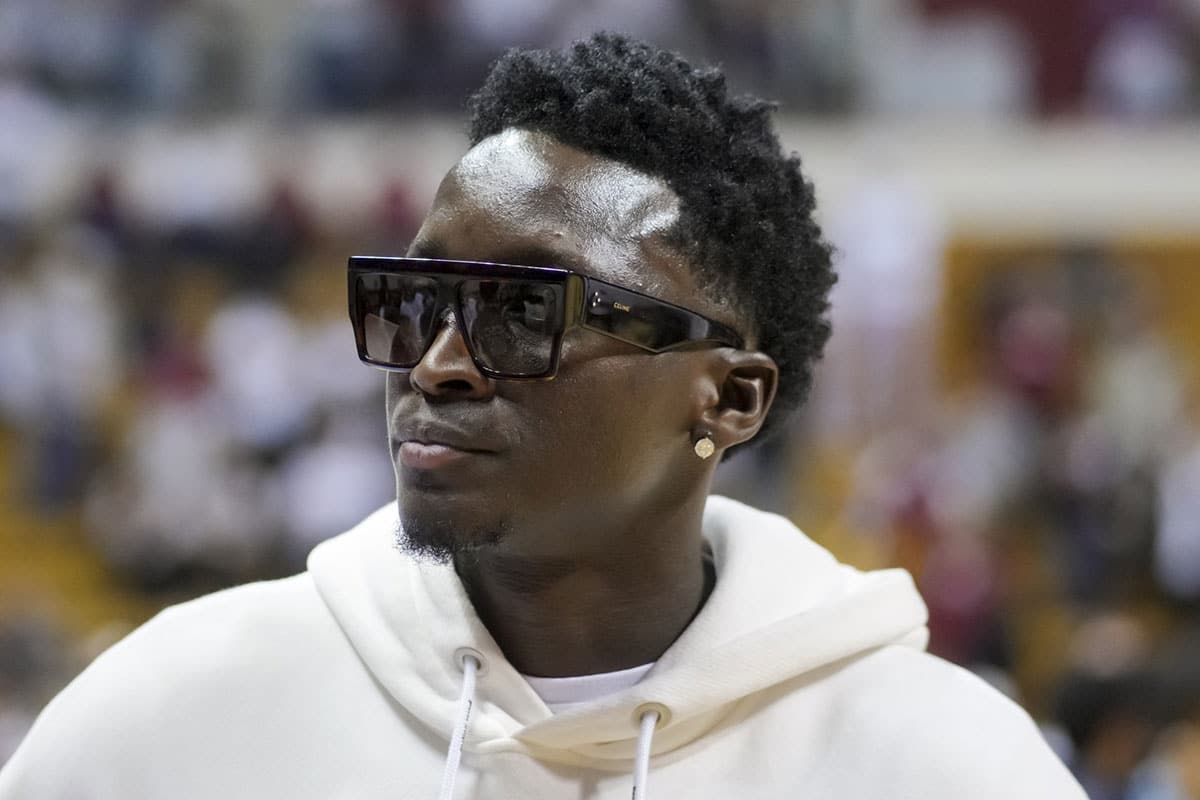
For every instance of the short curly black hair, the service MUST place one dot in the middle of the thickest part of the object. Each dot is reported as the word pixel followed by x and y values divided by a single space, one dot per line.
pixel 746 212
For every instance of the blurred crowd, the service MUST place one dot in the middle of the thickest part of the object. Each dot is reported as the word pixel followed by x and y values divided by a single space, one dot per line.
pixel 1046 498
pixel 178 379
pixel 185 392
pixel 1136 59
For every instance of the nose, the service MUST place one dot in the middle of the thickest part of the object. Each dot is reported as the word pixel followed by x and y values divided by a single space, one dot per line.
pixel 446 369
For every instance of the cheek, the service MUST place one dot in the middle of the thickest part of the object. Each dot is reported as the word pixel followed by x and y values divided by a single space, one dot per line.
pixel 393 387
pixel 619 422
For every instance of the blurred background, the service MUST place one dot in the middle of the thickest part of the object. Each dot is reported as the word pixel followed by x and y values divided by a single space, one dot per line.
pixel 1009 407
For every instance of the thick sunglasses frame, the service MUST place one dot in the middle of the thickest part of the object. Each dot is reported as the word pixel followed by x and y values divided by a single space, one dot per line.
pixel 588 303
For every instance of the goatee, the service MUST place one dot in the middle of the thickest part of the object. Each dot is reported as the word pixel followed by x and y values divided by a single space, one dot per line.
pixel 440 542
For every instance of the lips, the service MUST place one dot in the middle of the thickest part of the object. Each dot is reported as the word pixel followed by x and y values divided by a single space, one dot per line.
pixel 425 445
pixel 416 455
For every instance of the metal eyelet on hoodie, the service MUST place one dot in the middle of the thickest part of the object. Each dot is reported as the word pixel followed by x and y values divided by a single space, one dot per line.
pixel 648 717
pixel 664 714
pixel 473 665
pixel 461 654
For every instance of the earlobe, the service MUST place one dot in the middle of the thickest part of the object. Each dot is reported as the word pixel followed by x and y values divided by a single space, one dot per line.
pixel 747 382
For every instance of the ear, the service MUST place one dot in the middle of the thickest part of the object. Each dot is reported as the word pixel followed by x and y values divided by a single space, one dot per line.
pixel 744 384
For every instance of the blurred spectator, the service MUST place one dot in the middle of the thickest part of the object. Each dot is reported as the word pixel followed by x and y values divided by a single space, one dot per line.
pixel 1140 71
pixel 1174 766
pixel 1137 387
pixel 35 663
pixel 273 240
pixel 178 500
pixel 961 585
pixel 1173 771
pixel 85 48
pixel 987 461
pixel 993 450
pixel 186 55
pixel 664 22
pixel 742 32
pixel 194 185
pixel 1109 705
pixel 346 48
pixel 37 151
pixel 20 21
pixel 1110 725
pixel 101 214
pixel 1122 52
pixel 1103 462
pixel 252 347
pixel 60 360
pixel 327 369
pixel 491 28
pixel 397 220
pixel 973 65
pixel 878 368
pixel 812 46
pixel 1177 540
pixel 431 68
pixel 328 485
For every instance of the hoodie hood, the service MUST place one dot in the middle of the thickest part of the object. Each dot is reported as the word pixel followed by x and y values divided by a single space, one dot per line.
pixel 782 610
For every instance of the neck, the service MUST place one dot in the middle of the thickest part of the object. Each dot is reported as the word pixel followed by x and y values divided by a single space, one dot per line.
pixel 614 608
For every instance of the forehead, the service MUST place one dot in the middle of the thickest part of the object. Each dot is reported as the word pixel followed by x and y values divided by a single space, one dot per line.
pixel 524 197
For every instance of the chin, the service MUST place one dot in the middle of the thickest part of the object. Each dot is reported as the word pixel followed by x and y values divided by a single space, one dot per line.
pixel 438 529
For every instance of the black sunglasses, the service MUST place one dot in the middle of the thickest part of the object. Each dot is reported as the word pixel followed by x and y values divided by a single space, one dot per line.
pixel 512 318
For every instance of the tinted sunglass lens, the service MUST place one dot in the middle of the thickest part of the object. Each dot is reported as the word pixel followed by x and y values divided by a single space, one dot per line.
pixel 395 317
pixel 512 325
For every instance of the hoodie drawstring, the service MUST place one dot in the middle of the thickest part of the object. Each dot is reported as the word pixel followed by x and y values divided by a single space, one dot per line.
pixel 641 768
pixel 466 700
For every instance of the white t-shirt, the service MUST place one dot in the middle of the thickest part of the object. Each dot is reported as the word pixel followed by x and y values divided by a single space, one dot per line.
pixel 560 694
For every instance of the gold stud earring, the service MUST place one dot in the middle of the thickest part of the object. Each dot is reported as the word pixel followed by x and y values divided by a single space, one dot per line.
pixel 705 447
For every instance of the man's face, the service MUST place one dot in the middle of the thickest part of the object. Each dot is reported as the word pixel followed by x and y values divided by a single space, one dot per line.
pixel 610 436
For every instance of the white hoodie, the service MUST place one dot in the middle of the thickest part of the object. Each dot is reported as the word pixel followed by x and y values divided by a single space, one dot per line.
pixel 800 678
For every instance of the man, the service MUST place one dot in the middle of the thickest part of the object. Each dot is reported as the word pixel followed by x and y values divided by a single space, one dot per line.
pixel 555 608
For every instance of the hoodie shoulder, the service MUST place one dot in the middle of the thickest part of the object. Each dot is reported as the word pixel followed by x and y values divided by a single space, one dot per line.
pixel 928 720
pixel 212 637
pixel 184 670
